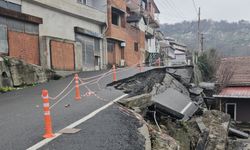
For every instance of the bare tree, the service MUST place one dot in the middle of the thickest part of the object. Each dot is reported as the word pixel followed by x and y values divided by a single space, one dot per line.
pixel 225 73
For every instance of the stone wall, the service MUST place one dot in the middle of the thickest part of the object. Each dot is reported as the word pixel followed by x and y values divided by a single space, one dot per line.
pixel 14 72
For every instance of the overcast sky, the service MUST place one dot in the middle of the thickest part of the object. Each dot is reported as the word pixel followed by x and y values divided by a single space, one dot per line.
pixel 173 11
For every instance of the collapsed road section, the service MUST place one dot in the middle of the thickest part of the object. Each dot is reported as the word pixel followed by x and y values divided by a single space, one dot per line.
pixel 174 110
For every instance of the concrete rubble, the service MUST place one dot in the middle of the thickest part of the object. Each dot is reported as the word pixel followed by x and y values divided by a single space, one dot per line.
pixel 16 73
pixel 175 111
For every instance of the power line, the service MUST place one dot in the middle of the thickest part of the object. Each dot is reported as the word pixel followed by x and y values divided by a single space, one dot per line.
pixel 179 10
pixel 166 3
pixel 195 7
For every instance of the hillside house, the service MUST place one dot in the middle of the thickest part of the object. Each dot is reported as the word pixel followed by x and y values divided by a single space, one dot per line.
pixel 234 98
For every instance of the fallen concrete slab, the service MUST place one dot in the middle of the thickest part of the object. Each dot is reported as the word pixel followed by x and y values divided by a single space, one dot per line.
pixel 173 103
pixel 183 73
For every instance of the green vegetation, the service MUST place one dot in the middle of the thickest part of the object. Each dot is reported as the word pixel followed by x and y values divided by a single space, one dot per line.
pixel 208 62
pixel 6 89
pixel 229 38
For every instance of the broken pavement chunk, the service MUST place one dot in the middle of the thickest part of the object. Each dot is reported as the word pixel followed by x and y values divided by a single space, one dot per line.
pixel 196 90
pixel 69 131
pixel 173 103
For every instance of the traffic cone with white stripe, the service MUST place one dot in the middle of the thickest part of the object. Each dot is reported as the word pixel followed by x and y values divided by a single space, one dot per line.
pixel 78 95
pixel 47 117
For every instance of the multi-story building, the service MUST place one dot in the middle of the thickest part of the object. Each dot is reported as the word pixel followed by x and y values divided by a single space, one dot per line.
pixel 167 52
pixel 131 26
pixel 180 51
pixel 56 34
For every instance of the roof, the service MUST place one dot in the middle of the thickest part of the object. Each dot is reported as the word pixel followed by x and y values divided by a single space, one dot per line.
pixel 178 52
pixel 156 8
pixel 238 69
pixel 234 92
pixel 174 103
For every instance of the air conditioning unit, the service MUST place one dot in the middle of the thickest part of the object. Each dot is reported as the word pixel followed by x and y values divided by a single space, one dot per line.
pixel 123 44
pixel 122 63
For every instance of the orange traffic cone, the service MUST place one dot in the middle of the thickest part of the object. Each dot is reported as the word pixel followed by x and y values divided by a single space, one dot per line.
pixel 78 96
pixel 47 117
pixel 114 73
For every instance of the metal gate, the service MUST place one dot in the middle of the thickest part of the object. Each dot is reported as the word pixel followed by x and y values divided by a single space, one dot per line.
pixel 88 56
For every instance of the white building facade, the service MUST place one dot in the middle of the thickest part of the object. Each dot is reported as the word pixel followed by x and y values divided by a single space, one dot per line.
pixel 71 36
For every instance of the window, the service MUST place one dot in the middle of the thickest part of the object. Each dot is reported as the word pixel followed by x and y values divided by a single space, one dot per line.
pixel 82 1
pixel 115 18
pixel 118 17
pixel 231 110
pixel 136 46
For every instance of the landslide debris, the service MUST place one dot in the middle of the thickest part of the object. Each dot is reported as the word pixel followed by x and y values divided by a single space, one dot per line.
pixel 204 129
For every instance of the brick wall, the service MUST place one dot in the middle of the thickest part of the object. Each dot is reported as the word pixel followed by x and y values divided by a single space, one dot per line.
pixel 128 34
pixel 131 56
pixel 120 4
pixel 24 46
pixel 62 55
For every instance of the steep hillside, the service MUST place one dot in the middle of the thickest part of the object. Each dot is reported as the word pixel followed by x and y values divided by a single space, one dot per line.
pixel 230 39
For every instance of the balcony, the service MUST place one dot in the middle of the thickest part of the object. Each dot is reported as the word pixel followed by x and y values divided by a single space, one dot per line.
pixel 154 21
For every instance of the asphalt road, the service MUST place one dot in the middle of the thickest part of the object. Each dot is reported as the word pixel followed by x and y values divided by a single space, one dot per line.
pixel 21 115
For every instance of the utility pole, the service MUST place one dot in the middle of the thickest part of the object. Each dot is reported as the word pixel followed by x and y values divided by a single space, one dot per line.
pixel 198 34
pixel 202 42
pixel 196 52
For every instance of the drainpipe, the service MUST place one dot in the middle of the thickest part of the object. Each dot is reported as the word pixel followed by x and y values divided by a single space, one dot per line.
pixel 104 43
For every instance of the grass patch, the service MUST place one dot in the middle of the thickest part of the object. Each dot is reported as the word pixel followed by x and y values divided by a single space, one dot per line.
pixel 6 89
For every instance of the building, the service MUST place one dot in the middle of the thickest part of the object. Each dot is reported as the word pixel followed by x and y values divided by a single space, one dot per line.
pixel 130 26
pixel 167 52
pixel 56 34
pixel 180 52
pixel 234 97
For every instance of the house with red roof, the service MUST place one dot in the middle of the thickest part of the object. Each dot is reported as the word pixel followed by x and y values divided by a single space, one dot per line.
pixel 233 76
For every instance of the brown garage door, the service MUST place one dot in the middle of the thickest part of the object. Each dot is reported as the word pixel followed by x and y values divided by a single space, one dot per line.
pixel 24 46
pixel 62 55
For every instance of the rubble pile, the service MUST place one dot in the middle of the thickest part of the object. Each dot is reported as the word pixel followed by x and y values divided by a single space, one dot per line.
pixel 174 110
pixel 15 73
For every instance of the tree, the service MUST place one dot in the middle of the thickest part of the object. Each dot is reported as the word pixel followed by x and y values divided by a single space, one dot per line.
pixel 208 63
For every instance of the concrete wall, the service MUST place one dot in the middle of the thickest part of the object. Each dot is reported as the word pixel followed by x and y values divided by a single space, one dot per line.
pixel 58 24
pixel 98 4
pixel 54 50
pixel 11 4
pixel 62 55
pixel 59 21
pixel 3 39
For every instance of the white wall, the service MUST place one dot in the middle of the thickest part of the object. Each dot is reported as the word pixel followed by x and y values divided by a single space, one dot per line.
pixel 58 24
pixel 151 45
pixel 99 4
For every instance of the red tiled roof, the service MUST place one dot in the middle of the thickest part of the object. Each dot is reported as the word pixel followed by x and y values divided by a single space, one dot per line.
pixel 234 92
pixel 239 67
